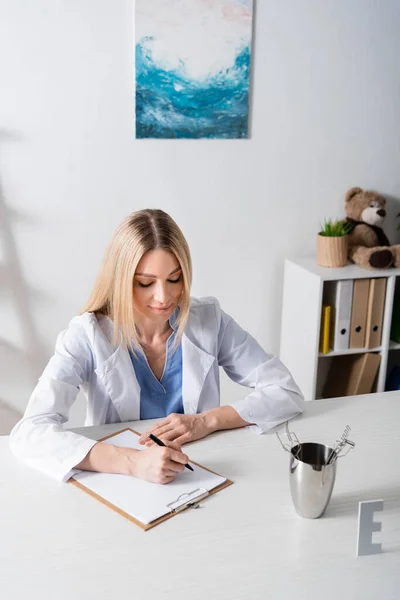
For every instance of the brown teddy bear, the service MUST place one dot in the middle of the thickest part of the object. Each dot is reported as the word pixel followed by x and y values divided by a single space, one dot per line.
pixel 368 245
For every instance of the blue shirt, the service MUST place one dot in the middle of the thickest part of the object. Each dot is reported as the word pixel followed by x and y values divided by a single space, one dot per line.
pixel 160 398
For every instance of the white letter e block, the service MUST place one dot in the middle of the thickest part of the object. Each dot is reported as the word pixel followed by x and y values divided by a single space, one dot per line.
pixel 367 526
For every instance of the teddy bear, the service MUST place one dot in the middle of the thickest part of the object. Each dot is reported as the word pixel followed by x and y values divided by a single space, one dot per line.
pixel 368 245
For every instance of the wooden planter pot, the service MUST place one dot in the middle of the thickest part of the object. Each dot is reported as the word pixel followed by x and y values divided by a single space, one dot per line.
pixel 332 251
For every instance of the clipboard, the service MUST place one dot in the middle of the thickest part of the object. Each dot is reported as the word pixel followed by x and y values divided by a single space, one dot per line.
pixel 189 498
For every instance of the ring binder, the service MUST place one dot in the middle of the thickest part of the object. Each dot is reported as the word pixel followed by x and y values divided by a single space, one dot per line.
pixel 188 500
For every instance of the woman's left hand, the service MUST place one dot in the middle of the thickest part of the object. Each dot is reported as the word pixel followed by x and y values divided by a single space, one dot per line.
pixel 178 428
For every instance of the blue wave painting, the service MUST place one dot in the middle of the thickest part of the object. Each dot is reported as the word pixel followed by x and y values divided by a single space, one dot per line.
pixel 185 88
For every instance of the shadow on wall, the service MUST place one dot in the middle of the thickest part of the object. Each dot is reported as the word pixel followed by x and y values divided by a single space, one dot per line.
pixel 8 418
pixel 19 363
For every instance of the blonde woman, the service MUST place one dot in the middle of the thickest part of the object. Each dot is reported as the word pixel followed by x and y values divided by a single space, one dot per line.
pixel 144 349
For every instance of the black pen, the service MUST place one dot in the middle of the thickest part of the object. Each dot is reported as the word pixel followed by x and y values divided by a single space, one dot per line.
pixel 160 443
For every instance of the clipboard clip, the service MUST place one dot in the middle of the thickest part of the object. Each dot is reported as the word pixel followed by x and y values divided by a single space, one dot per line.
pixel 188 500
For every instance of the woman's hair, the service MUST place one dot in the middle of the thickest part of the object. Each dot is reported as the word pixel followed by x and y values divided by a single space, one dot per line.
pixel 112 294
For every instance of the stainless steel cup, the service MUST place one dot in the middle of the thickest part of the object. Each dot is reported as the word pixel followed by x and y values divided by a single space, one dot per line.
pixel 311 479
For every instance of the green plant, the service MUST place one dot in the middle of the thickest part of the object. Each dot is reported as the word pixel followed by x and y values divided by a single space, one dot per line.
pixel 331 228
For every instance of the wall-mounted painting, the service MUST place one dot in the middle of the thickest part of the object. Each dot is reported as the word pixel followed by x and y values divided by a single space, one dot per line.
pixel 193 68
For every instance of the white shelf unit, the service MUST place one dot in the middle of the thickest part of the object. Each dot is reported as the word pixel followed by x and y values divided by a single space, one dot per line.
pixel 303 291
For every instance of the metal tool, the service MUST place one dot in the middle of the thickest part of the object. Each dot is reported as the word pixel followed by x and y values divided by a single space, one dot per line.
pixel 292 437
pixel 341 443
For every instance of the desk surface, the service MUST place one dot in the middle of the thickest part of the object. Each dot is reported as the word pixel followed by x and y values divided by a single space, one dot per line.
pixel 244 543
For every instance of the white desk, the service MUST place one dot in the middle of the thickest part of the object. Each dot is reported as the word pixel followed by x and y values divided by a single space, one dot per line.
pixel 246 542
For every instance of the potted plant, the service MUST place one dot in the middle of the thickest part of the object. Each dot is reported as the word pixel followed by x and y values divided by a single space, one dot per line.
pixel 333 243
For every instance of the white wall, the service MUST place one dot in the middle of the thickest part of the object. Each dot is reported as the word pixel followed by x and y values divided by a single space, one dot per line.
pixel 325 117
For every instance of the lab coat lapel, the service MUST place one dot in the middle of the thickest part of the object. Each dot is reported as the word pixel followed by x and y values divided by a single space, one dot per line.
pixel 196 364
pixel 118 377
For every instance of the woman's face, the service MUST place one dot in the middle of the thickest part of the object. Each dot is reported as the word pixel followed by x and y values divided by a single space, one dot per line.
pixel 157 285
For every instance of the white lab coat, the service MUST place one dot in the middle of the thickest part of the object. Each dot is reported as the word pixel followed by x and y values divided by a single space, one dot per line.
pixel 85 358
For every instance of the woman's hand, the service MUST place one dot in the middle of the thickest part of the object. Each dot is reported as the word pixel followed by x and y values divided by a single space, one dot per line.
pixel 157 464
pixel 178 428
